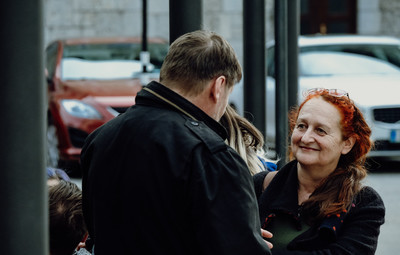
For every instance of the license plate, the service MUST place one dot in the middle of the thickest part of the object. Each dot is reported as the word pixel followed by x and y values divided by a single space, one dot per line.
pixel 395 136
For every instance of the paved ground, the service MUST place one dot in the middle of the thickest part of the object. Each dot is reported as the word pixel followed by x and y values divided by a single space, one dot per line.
pixel 388 186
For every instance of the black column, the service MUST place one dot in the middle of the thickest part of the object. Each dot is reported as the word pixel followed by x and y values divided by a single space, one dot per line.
pixel 254 62
pixel 293 50
pixel 281 85
pixel 144 33
pixel 184 16
pixel 23 190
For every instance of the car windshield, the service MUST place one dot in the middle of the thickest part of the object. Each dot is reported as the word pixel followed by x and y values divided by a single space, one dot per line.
pixel 109 61
pixel 386 52
pixel 320 63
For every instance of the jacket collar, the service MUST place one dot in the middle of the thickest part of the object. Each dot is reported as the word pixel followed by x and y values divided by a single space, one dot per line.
pixel 285 200
pixel 147 98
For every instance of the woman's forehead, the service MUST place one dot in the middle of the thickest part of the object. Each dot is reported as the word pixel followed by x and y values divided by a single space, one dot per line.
pixel 317 108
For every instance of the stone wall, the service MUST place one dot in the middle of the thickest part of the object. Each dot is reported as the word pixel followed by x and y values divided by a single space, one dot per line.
pixel 368 17
pixel 390 13
pixel 103 18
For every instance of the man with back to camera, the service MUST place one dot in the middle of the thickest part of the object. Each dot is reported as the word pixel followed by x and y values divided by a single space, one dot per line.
pixel 159 179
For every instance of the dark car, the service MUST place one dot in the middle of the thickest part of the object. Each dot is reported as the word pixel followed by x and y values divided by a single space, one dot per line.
pixel 90 81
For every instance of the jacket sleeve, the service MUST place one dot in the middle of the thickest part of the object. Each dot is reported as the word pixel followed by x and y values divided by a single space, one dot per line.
pixel 360 230
pixel 223 205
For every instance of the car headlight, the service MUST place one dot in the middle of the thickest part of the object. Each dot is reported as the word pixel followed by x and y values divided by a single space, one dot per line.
pixel 79 109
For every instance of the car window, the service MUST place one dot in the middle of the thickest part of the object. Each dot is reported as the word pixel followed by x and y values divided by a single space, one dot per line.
pixel 388 53
pixel 320 63
pixel 81 69
pixel 382 52
pixel 108 61
pixel 51 58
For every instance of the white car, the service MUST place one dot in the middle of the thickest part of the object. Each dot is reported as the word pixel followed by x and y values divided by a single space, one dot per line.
pixel 367 67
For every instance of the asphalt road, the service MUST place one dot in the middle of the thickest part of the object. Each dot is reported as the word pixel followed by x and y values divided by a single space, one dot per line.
pixel 385 179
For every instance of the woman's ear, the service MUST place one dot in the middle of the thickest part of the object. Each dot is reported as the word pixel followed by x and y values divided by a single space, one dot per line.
pixel 348 145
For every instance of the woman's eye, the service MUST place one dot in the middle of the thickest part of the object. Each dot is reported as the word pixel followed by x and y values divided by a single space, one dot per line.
pixel 301 126
pixel 321 131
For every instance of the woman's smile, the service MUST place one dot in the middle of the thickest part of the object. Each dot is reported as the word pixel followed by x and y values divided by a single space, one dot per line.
pixel 306 148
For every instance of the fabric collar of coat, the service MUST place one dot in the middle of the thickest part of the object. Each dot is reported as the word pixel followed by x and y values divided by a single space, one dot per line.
pixel 145 98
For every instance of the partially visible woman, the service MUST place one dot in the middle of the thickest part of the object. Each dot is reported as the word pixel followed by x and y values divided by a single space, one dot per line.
pixel 247 140
pixel 316 204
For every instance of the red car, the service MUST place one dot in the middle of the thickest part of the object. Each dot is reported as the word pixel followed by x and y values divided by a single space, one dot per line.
pixel 90 81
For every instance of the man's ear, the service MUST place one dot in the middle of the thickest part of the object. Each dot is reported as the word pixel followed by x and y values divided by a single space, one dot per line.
pixel 217 88
pixel 348 145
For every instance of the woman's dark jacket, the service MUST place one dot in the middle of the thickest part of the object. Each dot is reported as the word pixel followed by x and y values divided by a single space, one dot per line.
pixel 355 232
pixel 156 181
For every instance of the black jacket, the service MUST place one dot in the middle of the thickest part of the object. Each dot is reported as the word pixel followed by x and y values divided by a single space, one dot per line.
pixel 355 232
pixel 156 181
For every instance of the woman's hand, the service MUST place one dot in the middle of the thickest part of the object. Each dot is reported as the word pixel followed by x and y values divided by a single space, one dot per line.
pixel 266 234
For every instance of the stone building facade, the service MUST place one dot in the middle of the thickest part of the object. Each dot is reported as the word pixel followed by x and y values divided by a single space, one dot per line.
pixel 103 18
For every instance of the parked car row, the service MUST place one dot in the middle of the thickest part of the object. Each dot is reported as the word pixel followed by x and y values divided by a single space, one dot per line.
pixel 90 81
pixel 367 67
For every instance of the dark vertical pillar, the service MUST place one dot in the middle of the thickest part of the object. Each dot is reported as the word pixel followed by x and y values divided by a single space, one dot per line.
pixel 293 50
pixel 144 34
pixel 254 62
pixel 23 190
pixel 281 66
pixel 184 16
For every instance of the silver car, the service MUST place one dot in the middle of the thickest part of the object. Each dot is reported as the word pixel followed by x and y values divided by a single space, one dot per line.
pixel 367 67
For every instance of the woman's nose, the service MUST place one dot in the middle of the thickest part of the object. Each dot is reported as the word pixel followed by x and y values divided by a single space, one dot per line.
pixel 307 136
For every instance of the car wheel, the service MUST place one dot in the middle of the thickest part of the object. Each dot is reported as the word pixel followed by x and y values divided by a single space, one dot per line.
pixel 52 146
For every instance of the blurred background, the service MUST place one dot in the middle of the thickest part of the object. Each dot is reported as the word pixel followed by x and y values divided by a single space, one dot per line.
pixel 51 102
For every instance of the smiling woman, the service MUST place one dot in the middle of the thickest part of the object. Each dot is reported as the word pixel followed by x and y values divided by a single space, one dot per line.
pixel 317 138
pixel 316 202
